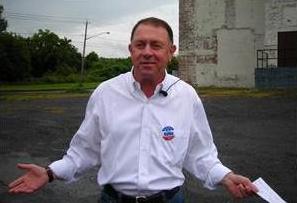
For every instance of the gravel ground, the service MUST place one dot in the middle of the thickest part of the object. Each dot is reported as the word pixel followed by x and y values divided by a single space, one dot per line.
pixel 256 137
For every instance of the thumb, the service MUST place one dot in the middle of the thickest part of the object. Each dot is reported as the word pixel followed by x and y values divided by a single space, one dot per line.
pixel 247 184
pixel 24 166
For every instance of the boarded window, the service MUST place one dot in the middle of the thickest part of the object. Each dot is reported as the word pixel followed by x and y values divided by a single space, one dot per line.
pixel 287 49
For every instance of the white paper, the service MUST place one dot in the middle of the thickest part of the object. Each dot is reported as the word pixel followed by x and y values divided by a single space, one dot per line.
pixel 266 192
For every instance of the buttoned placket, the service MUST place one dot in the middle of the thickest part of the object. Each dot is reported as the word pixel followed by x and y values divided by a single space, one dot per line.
pixel 145 135
pixel 143 138
pixel 143 146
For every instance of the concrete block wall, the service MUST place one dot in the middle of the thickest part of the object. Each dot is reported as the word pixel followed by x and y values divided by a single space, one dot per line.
pixel 218 41
pixel 187 31
pixel 280 15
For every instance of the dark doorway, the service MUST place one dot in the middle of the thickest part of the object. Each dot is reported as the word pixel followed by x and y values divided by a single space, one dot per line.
pixel 287 49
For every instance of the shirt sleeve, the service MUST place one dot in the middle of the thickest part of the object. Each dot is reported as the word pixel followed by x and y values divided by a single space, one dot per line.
pixel 84 150
pixel 202 156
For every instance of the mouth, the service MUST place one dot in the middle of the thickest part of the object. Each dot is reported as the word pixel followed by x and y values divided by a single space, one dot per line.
pixel 147 63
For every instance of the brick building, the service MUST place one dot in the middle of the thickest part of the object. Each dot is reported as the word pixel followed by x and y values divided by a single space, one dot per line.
pixel 220 41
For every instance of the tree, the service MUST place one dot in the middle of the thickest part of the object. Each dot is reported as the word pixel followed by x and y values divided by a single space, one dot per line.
pixel 3 22
pixel 14 58
pixel 173 65
pixel 91 58
pixel 106 68
pixel 48 52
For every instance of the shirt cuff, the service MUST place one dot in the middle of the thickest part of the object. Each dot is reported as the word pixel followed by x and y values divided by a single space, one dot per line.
pixel 63 170
pixel 216 175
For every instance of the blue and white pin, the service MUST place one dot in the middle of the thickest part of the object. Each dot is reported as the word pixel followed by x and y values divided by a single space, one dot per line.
pixel 168 133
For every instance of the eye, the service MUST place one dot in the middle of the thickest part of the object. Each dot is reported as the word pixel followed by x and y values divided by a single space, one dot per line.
pixel 157 46
pixel 139 45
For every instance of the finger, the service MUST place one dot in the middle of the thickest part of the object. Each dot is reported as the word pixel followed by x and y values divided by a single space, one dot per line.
pixel 243 190
pixel 18 189
pixel 24 188
pixel 254 188
pixel 250 191
pixel 24 166
pixel 16 182
pixel 250 187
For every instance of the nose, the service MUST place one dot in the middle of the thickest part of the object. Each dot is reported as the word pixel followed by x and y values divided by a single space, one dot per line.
pixel 147 51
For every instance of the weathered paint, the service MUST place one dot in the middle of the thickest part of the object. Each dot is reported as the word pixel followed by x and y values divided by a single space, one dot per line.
pixel 219 38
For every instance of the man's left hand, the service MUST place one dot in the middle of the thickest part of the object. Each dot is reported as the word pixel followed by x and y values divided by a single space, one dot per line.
pixel 239 186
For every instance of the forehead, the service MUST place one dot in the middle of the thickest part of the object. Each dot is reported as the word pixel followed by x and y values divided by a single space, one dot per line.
pixel 151 32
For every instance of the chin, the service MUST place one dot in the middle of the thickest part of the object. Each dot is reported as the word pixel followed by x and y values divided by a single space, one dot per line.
pixel 147 71
pixel 147 76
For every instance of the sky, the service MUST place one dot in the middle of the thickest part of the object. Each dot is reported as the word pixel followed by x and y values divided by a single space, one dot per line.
pixel 67 19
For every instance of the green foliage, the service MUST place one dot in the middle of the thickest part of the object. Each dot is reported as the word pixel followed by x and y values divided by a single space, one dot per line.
pixel 48 52
pixel 90 59
pixel 45 57
pixel 173 65
pixel 3 22
pixel 106 68
pixel 63 73
pixel 38 87
pixel 15 63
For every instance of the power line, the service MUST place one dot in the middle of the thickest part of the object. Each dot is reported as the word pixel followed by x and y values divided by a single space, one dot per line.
pixel 37 17
pixel 50 19
pixel 101 41
pixel 42 20
pixel 58 33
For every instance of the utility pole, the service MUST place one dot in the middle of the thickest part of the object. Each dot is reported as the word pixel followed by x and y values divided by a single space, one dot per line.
pixel 84 51
pixel 83 54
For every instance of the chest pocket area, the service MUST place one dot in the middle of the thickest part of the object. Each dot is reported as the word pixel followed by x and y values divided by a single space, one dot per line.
pixel 170 148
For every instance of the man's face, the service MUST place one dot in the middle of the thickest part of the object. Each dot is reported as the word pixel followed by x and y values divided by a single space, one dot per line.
pixel 150 50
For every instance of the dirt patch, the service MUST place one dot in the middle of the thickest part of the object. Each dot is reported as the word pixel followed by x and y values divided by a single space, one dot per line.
pixel 255 137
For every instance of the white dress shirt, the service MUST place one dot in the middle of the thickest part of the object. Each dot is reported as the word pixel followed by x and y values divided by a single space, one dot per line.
pixel 141 144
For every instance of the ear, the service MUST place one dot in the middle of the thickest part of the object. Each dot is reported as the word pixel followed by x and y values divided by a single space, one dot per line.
pixel 172 49
pixel 130 48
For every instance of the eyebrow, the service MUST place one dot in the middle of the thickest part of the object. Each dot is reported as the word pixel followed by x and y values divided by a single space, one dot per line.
pixel 150 41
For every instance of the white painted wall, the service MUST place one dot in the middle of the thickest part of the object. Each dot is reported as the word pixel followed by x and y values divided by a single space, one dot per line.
pixel 231 31
pixel 237 41
pixel 279 16
pixel 209 15
pixel 206 74
pixel 236 58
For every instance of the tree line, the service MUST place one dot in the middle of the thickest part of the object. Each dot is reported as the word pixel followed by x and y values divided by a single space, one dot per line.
pixel 45 57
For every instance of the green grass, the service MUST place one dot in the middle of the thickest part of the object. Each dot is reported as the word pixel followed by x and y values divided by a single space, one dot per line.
pixel 45 91
pixel 46 87
pixel 68 90
pixel 42 95
pixel 245 92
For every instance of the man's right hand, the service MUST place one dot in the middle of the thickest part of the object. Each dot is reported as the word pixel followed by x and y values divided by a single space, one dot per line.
pixel 34 179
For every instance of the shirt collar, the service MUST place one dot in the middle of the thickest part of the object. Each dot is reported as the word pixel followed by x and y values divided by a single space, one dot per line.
pixel 135 85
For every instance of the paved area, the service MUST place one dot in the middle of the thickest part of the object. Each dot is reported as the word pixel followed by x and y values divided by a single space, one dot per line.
pixel 256 137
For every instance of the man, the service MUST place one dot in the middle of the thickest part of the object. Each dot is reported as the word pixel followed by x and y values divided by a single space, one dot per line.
pixel 142 128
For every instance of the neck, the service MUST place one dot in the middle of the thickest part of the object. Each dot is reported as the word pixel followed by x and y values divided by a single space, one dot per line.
pixel 148 88
pixel 148 85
